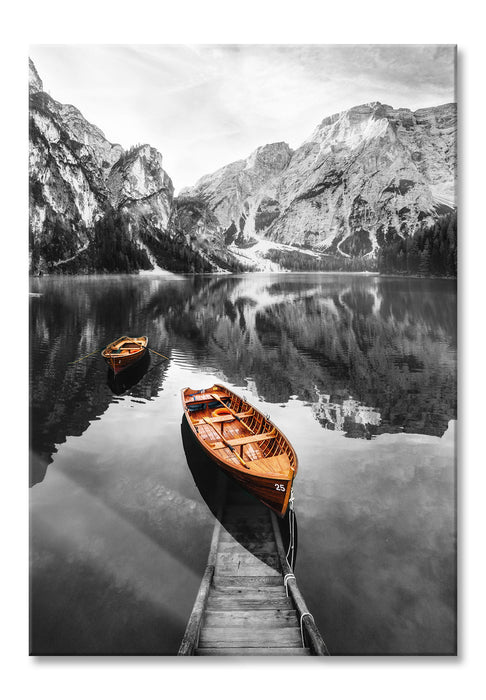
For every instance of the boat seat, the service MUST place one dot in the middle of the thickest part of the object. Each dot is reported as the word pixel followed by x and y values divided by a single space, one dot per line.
pixel 251 438
pixel 225 417
pixel 217 445
pixel 198 397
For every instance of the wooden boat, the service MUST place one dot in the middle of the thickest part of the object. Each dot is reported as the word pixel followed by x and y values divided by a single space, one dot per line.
pixel 124 352
pixel 243 442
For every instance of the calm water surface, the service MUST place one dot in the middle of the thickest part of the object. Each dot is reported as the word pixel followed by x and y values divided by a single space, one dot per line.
pixel 360 374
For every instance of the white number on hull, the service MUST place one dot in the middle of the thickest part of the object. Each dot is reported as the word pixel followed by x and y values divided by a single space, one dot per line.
pixel 279 487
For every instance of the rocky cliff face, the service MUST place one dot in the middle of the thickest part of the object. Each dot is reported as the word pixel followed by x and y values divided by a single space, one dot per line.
pixel 69 160
pixel 35 83
pixel 236 192
pixel 95 206
pixel 363 179
pixel 364 176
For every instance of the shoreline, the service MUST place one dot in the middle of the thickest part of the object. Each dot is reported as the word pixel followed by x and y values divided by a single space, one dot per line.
pixel 183 275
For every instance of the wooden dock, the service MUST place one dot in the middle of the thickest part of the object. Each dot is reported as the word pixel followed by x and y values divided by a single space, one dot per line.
pixel 249 602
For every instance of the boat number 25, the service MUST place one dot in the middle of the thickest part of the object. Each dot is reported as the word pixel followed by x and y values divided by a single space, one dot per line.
pixel 279 487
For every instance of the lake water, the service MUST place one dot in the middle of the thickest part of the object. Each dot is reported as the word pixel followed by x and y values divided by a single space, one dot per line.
pixel 360 374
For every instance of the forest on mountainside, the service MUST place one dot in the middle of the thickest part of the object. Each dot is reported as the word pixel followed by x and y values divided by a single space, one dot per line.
pixel 305 262
pixel 430 252
pixel 110 247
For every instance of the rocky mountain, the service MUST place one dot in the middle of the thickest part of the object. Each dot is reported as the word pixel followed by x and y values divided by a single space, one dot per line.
pixel 235 193
pixel 364 177
pixel 96 207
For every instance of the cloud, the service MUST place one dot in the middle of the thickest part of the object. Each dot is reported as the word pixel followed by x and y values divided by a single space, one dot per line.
pixel 207 105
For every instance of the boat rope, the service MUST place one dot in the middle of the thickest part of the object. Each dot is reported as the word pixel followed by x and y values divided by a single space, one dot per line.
pixel 302 626
pixel 291 548
pixel 83 358
pixel 286 580
pixel 159 354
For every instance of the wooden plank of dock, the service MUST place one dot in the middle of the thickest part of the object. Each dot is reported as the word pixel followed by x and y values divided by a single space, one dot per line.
pixel 243 606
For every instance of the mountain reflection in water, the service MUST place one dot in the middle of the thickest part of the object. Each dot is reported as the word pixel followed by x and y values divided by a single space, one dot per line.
pixel 360 374
pixel 369 355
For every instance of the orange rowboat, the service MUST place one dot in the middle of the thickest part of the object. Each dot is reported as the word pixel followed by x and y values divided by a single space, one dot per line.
pixel 243 442
pixel 124 352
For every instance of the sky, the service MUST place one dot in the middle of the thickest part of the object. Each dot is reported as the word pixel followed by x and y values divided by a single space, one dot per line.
pixel 204 106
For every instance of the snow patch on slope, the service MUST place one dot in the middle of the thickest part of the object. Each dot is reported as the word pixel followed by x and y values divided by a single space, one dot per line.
pixel 443 196
pixel 255 254
pixel 345 132
pixel 155 266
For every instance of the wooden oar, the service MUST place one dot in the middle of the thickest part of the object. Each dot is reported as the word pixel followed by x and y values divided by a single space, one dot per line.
pixel 233 413
pixel 83 358
pixel 220 437
pixel 100 349
pixel 159 354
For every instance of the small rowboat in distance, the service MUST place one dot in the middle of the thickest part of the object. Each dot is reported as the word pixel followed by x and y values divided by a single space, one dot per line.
pixel 124 352
pixel 243 442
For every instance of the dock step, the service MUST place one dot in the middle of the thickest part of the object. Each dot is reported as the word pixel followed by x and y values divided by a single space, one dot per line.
pixel 253 601
pixel 253 619
pixel 254 651
pixel 248 581
pixel 228 637
pixel 256 548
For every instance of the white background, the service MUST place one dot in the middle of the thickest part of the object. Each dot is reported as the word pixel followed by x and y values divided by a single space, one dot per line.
pixel 257 21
